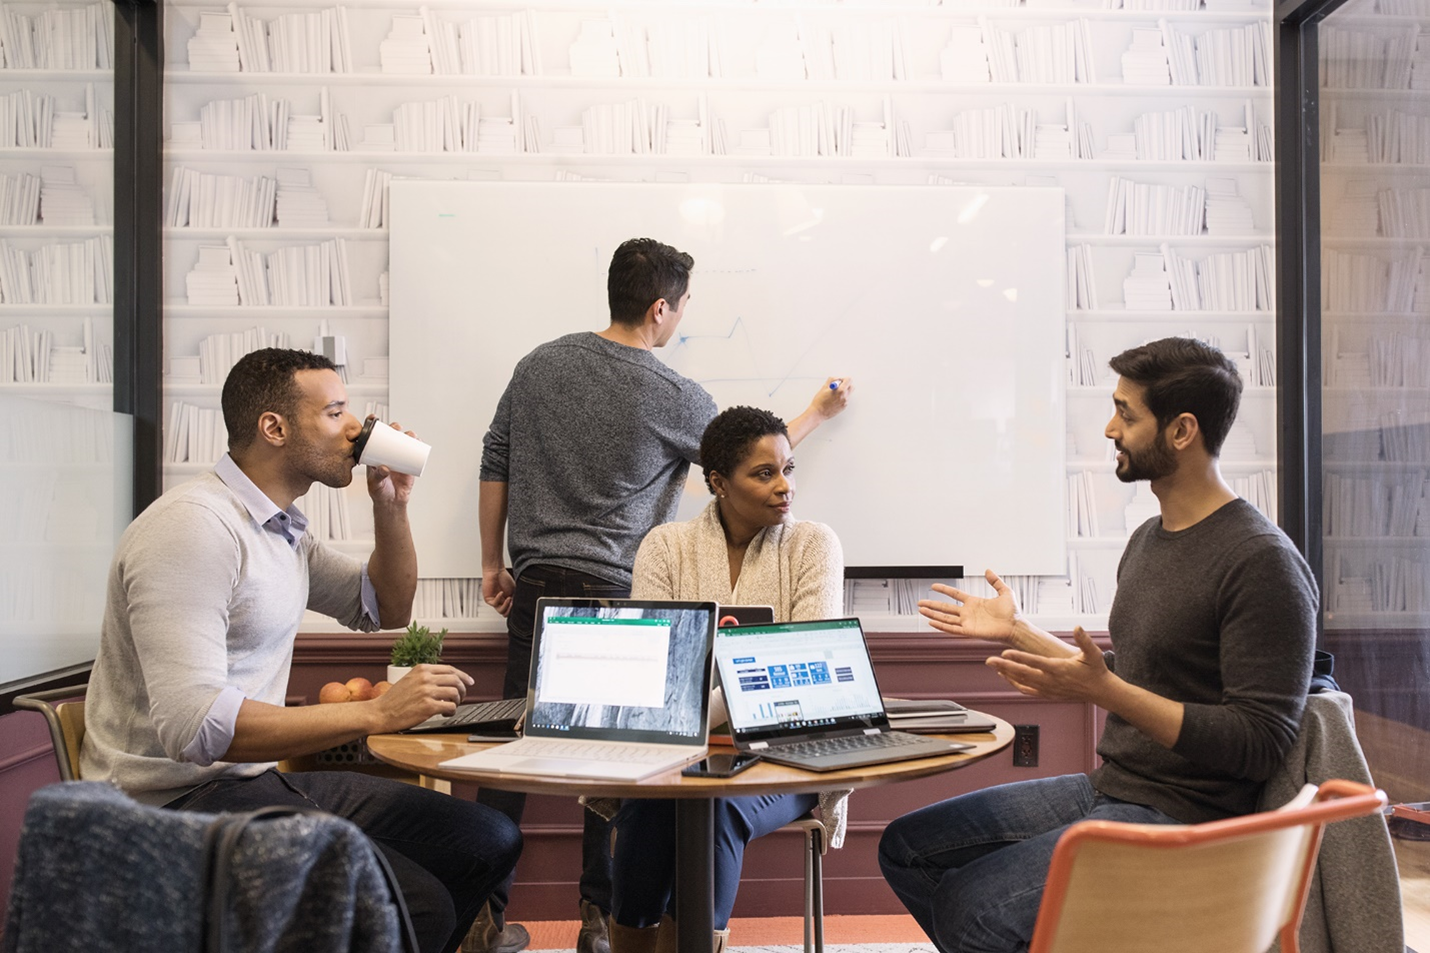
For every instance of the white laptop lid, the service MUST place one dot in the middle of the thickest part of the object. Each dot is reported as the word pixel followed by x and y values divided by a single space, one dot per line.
pixel 795 680
pixel 621 670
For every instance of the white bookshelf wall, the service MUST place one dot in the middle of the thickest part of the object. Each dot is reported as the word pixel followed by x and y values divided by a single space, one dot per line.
pixel 56 201
pixel 896 93
pixel 1375 185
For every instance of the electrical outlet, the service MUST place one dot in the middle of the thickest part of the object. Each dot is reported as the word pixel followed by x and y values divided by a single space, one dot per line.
pixel 1025 746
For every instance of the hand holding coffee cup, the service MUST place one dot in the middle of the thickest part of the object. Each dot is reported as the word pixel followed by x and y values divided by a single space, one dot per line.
pixel 380 445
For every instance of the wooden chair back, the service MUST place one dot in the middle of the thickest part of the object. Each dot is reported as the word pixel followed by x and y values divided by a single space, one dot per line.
pixel 1232 886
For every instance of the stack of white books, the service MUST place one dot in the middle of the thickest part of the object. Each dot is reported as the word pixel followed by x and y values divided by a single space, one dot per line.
pixel 25 119
pixel 214 47
pixel 247 124
pixel 616 128
pixel 317 41
pixel 183 370
pixel 684 137
pixel 1420 62
pixel 779 54
pixel 1227 212
pixel 1182 134
pixel 965 58
pixel 1235 56
pixel 1404 213
pixel 306 134
pixel 499 45
pixel 294 276
pixel 447 598
pixel 1082 283
pixel 1055 597
pixel 1084 370
pixel 1398 137
pixel 20 199
pixel 62 200
pixel 205 200
pixel 374 199
pixel 1145 62
pixel 997 132
pixel 680 48
pixel 1354 283
pixel 213 281
pixel 1148 287
pixel 19 347
pixel 70 130
pixel 63 273
pixel 73 39
pixel 194 434
pixel 446 125
pixel 1137 208
pixel 219 352
pixel 1082 506
pixel 1357 212
pixel 298 204
pixel 871 51
pixel 407 49
pixel 594 54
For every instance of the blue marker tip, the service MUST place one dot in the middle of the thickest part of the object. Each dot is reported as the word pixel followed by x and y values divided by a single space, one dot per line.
pixel 834 384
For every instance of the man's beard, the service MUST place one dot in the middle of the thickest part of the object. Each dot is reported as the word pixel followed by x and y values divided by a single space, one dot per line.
pixel 1155 462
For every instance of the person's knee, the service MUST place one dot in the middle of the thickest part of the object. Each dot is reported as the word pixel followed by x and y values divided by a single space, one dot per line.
pixel 502 839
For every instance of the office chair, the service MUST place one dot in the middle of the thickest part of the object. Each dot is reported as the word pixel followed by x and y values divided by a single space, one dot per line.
pixel 1232 886
pixel 65 721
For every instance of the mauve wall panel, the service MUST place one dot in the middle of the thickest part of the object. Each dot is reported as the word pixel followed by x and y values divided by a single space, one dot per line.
pixel 27 763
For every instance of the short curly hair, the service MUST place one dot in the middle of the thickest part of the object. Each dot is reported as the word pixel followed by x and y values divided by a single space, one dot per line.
pixel 728 438
pixel 261 381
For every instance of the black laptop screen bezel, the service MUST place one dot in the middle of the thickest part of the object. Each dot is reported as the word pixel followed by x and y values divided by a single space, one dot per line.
pixel 832 728
pixel 697 737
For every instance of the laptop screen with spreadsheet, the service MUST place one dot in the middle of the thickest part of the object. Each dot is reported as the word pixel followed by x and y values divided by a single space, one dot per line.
pixel 621 670
pixel 795 678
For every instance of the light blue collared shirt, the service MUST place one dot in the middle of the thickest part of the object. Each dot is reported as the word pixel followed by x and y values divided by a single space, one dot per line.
pixel 215 735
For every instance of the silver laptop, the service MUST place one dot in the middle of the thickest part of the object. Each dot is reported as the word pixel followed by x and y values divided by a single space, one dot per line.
pixel 804 694
pixel 619 690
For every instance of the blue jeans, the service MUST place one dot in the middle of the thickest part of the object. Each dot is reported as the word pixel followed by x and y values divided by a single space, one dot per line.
pixel 447 854
pixel 644 865
pixel 971 869
pixel 532 584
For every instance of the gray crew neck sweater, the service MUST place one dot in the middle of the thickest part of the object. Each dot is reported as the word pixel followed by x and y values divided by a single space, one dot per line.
pixel 594 440
pixel 1220 616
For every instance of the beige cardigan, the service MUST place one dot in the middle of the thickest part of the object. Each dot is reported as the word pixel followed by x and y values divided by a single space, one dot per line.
pixel 796 567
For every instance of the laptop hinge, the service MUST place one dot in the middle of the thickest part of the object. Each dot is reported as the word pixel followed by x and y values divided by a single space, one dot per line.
pixel 759 745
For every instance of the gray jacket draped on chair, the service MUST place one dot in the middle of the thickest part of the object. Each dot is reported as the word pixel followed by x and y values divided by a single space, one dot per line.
pixel 1354 903
pixel 98 872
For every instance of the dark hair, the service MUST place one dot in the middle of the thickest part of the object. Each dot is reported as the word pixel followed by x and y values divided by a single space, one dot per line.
pixel 1185 376
pixel 642 272
pixel 728 438
pixel 261 381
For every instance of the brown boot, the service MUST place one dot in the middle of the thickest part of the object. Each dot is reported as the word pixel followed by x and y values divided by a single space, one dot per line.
pixel 668 939
pixel 633 939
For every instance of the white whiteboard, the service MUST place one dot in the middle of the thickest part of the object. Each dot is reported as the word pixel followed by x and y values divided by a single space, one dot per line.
pixel 944 304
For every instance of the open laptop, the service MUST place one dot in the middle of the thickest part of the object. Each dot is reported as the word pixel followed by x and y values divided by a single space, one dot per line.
pixel 619 690
pixel 804 694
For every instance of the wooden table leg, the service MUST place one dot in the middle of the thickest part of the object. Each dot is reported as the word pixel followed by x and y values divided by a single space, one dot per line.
pixel 695 872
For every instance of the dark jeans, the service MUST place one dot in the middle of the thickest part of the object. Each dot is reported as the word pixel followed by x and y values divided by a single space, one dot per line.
pixel 646 845
pixel 448 855
pixel 532 584
pixel 971 869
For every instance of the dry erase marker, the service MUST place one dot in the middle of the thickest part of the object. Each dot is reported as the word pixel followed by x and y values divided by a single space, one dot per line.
pixel 834 384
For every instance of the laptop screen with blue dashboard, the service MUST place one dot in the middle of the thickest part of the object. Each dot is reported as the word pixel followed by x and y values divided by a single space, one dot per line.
pixel 786 678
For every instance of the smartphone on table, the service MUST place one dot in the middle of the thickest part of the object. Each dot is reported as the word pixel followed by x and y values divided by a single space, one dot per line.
pixel 721 765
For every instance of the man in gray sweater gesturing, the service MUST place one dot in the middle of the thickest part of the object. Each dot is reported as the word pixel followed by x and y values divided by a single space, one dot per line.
pixel 208 586
pixel 1212 628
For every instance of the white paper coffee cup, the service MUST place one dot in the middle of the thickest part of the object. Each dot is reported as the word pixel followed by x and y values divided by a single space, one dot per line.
pixel 381 446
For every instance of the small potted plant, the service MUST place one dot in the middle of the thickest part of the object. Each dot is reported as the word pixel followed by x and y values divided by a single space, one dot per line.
pixel 417 646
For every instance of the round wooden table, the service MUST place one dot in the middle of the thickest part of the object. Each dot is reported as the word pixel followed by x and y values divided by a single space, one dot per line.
pixel 694 817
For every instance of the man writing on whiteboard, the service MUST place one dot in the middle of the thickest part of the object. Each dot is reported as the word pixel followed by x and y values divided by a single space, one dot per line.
pixel 588 450
pixel 1212 627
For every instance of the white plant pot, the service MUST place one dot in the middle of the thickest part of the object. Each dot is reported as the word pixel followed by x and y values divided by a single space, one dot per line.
pixel 394 672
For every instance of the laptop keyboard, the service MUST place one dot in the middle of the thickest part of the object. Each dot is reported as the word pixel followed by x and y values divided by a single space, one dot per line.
pixel 821 747
pixel 588 751
pixel 487 711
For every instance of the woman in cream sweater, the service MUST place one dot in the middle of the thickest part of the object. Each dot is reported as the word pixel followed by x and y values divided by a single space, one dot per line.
pixel 744 549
